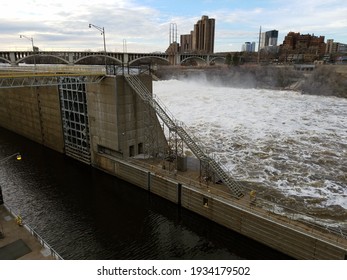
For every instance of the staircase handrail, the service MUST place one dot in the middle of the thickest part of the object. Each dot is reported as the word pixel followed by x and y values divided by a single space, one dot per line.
pixel 196 146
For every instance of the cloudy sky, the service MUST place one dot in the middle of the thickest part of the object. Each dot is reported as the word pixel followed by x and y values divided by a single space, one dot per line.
pixel 144 25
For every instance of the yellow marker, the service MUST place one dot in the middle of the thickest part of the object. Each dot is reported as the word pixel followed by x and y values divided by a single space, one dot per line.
pixel 19 157
pixel 19 220
pixel 252 195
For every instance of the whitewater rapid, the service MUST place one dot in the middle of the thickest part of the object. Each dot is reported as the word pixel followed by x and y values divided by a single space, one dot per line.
pixel 291 144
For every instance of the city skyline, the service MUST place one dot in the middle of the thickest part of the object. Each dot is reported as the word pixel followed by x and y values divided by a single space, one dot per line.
pixel 144 25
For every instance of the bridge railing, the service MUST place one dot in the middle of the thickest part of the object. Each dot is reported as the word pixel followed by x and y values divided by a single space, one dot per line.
pixel 127 70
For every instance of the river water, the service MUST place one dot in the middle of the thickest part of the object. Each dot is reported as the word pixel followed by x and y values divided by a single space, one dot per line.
pixel 84 213
pixel 291 147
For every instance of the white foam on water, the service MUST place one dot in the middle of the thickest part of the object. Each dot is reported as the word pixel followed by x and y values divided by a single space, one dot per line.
pixel 296 144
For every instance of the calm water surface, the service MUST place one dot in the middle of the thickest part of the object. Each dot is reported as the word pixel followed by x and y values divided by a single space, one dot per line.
pixel 84 213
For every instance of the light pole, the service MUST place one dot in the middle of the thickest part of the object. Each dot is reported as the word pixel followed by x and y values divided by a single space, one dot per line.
pixel 102 30
pixel 32 44
pixel 259 45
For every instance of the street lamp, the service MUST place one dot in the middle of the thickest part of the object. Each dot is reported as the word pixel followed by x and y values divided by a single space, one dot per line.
pixel 17 155
pixel 32 44
pixel 102 30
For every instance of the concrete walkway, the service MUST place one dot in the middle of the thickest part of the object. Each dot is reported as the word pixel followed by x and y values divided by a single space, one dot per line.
pixel 17 242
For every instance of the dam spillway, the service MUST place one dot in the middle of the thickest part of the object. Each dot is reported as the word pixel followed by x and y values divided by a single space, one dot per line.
pixel 113 127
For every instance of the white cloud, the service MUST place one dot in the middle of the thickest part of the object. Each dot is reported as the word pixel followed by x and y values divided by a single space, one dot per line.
pixel 325 18
pixel 68 21
pixel 64 24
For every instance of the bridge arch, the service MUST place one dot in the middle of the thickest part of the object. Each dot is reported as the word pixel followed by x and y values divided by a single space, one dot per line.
pixel 218 59
pixel 6 60
pixel 97 55
pixel 194 58
pixel 42 55
pixel 149 57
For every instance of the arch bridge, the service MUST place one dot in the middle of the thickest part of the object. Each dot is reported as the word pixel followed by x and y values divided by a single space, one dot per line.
pixel 86 57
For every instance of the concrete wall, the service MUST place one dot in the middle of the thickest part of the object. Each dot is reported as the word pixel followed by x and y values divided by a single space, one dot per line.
pixel 117 118
pixel 281 237
pixel 139 177
pixel 265 230
pixel 115 112
pixel 103 117
pixel 163 187
pixel 33 113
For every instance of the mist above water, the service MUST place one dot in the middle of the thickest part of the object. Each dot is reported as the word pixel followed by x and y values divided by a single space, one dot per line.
pixel 292 146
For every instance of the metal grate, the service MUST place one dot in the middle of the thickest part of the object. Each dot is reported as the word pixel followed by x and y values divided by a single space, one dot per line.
pixel 74 113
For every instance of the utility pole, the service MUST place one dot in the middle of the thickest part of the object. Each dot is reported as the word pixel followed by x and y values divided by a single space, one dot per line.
pixel 259 45
pixel 102 30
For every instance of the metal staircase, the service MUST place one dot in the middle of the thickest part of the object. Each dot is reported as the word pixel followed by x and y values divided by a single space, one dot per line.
pixel 177 126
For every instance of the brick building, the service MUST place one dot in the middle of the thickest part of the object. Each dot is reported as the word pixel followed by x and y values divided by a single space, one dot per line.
pixel 303 47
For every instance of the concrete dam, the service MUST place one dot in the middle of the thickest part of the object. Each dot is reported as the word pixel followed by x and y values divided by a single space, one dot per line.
pixel 115 124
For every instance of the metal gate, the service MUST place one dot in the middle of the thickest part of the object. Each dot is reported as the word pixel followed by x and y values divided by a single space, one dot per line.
pixel 73 104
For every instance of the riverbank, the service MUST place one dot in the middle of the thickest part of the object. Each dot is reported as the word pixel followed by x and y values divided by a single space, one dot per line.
pixel 327 80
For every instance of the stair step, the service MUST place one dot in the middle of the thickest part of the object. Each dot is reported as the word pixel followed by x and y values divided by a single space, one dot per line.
pixel 146 96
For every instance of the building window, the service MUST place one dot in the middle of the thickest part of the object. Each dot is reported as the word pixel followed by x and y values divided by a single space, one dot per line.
pixel 131 151
pixel 140 148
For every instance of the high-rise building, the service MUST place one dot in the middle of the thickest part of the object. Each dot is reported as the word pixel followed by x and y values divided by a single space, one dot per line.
pixel 268 39
pixel 248 47
pixel 203 35
pixel 331 46
pixel 201 39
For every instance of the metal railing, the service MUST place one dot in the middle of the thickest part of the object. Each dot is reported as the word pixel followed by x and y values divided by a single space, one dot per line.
pixel 122 70
pixel 44 244
pixel 191 141
pixel 53 69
